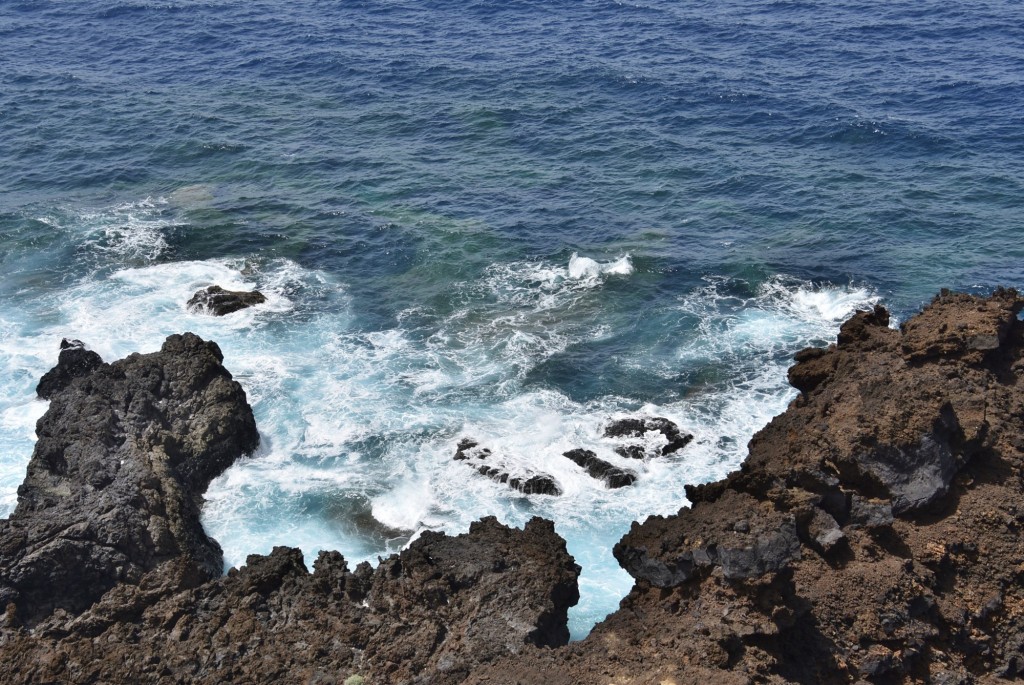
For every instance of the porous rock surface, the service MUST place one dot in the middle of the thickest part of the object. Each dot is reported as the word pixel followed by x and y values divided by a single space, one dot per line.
pixel 469 451
pixel 112 488
pixel 612 475
pixel 634 427
pixel 873 534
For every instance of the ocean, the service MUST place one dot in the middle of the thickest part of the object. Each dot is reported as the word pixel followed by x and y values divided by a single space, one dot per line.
pixel 511 221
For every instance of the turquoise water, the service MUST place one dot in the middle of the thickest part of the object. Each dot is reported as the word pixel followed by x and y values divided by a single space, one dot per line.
pixel 409 183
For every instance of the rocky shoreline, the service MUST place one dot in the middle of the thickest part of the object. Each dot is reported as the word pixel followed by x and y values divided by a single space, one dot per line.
pixel 873 534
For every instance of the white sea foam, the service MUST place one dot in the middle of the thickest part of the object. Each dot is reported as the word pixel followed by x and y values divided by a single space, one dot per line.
pixel 587 268
pixel 132 231
pixel 359 427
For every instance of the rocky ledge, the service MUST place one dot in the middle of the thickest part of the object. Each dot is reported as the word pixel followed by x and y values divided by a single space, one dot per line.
pixel 873 534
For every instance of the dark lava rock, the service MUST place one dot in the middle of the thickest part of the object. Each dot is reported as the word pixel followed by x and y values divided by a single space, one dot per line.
pixel 625 428
pixel 468 448
pixel 73 362
pixel 822 532
pixel 431 614
pixel 612 475
pixel 631 451
pixel 904 452
pixel 539 484
pixel 218 301
pixel 915 476
pixel 124 453
pixel 635 428
pixel 871 514
pixel 107 576
pixel 733 533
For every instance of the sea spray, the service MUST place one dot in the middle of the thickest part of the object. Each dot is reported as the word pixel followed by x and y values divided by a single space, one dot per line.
pixel 359 427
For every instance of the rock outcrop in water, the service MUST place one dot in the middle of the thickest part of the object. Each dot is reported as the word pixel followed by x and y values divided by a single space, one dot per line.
pixel 218 301
pixel 123 455
pixel 873 534
pixel 612 475
pixel 640 427
pixel 469 451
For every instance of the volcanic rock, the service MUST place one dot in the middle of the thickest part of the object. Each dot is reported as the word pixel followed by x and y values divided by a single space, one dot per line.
pixel 732 533
pixel 105 563
pixel 73 362
pixel 538 484
pixel 124 452
pixel 469 448
pixel 612 475
pixel 637 427
pixel 432 614
pixel 873 534
pixel 218 301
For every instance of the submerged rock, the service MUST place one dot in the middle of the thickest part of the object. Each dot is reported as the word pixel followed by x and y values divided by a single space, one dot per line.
pixel 638 427
pixel 538 484
pixel 612 475
pixel 469 448
pixel 218 301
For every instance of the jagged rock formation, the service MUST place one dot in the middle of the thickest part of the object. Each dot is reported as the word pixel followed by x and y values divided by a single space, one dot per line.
pixel 612 475
pixel 639 427
pixel 218 301
pixel 431 614
pixel 124 452
pixel 469 450
pixel 873 534
pixel 74 361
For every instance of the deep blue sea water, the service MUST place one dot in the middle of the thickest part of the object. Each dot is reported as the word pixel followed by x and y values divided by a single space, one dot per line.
pixel 409 182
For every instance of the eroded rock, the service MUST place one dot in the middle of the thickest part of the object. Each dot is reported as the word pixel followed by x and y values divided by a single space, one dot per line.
pixel 440 609
pixel 873 534
pixel 218 301
pixel 469 450
pixel 957 325
pixel 631 427
pixel 124 452
pixel 734 533
pixel 612 475
pixel 74 361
